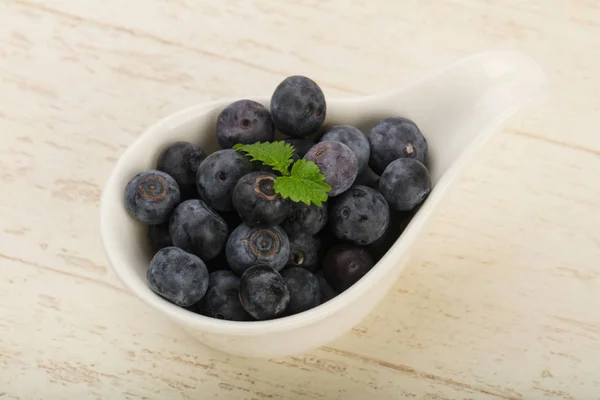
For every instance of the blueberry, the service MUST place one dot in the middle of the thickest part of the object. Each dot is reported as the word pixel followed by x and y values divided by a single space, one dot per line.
pixel 256 202
pixel 298 107
pixel 217 176
pixel 395 138
pixel 398 222
pixel 301 146
pixel 159 236
pixel 304 289
pixel 246 122
pixel 222 300
pixel 178 276
pixel 196 228
pixel 249 246
pixel 337 162
pixel 304 252
pixel 361 215
pixel 304 219
pixel 354 139
pixel 151 196
pixel 181 161
pixel 345 264
pixel 368 178
pixel 405 184
pixel 263 292
pixel 327 292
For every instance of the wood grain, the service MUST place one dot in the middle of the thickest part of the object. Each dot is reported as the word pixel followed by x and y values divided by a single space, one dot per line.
pixel 501 301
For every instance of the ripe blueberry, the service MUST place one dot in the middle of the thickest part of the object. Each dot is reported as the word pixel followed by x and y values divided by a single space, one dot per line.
pixel 304 252
pixel 304 289
pixel 181 161
pixel 159 236
pixel 354 139
pixel 395 138
pixel 263 292
pixel 249 246
pixel 337 162
pixel 217 176
pixel 305 220
pixel 196 228
pixel 222 300
pixel 151 196
pixel 405 184
pixel 361 215
pixel 256 202
pixel 298 107
pixel 345 264
pixel 246 122
pixel 178 276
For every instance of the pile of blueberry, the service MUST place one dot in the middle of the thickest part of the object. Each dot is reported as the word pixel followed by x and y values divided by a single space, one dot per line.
pixel 227 245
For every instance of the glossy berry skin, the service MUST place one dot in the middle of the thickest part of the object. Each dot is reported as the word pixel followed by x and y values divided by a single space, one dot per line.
pixel 395 138
pixel 337 162
pixel 197 229
pixel 327 292
pixel 222 300
pixel 159 236
pixel 181 160
pixel 304 289
pixel 256 202
pixel 298 107
pixel 304 219
pixel 354 139
pixel 405 184
pixel 246 122
pixel 178 276
pixel 304 252
pixel 151 196
pixel 301 147
pixel 361 215
pixel 345 264
pixel 217 176
pixel 263 292
pixel 249 246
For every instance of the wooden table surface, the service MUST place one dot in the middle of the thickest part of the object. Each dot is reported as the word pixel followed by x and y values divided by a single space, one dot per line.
pixel 502 300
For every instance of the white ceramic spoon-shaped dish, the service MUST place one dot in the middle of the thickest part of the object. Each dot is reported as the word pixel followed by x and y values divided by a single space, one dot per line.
pixel 456 108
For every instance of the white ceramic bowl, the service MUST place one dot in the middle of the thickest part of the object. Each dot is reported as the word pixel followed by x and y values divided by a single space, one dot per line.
pixel 456 108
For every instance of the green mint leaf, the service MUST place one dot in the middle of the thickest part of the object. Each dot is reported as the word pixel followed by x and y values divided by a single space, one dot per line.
pixel 277 155
pixel 305 184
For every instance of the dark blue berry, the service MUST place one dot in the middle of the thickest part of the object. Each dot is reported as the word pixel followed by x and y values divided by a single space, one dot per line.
pixel 263 292
pixel 217 176
pixel 178 276
pixel 197 229
pixel 304 289
pixel 395 138
pixel 256 202
pixel 222 300
pixel 298 107
pixel 301 147
pixel 151 196
pixel 304 252
pixel 345 264
pixel 181 160
pixel 304 219
pixel 159 236
pixel 327 292
pixel 354 139
pixel 246 122
pixel 249 246
pixel 405 184
pixel 361 215
pixel 337 162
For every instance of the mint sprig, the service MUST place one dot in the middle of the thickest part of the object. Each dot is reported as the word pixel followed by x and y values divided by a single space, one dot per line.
pixel 303 183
